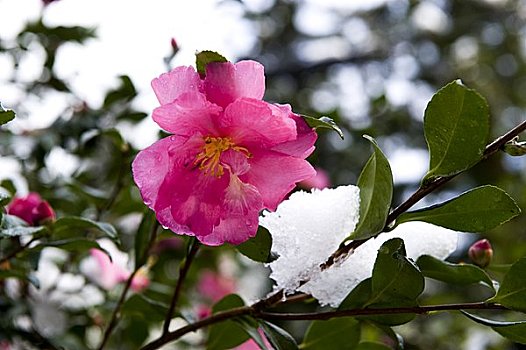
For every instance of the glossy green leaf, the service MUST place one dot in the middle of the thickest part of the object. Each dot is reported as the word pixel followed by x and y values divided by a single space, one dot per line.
pixel 6 116
pixel 369 345
pixel 12 226
pixel 279 338
pixel 512 291
pixel 358 297
pixel 4 199
pixel 205 57
pixel 71 225
pixel 257 248
pixel 124 92
pixel 513 330
pixel 323 123
pixel 142 238
pixel 73 244
pixel 337 333
pixel 227 334
pixel 456 126
pixel 251 327
pixel 376 192
pixel 460 274
pixel 139 306
pixel 396 282
pixel 480 209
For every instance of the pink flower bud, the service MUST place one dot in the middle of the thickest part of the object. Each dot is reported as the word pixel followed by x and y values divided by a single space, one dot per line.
pixel 31 209
pixel 481 253
pixel 320 180
pixel 175 47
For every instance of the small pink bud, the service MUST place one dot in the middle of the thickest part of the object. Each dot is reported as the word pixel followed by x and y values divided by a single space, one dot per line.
pixel 31 209
pixel 481 253
pixel 175 46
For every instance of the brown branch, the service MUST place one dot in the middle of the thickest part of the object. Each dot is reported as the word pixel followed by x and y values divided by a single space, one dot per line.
pixel 116 312
pixel 421 192
pixel 15 252
pixel 182 275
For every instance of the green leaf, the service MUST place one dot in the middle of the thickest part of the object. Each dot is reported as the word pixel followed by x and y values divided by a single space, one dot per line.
pixel 514 330
pixel 456 126
pixel 13 226
pixel 4 199
pixel 369 345
pixel 376 192
pixel 142 238
pixel 22 275
pixel 358 297
pixel 323 123
pixel 227 334
pixel 512 291
pixel 71 225
pixel 205 57
pixel 123 93
pixel 251 327
pixel 336 333
pixel 396 282
pixel 6 115
pixel 258 247
pixel 477 210
pixel 279 338
pixel 460 274
pixel 73 244
pixel 140 306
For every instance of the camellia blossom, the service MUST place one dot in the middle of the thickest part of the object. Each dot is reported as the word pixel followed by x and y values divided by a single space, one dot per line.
pixel 31 209
pixel 107 274
pixel 308 227
pixel 231 154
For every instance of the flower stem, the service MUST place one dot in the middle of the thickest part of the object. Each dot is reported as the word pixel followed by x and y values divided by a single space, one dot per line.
pixel 116 312
pixel 183 270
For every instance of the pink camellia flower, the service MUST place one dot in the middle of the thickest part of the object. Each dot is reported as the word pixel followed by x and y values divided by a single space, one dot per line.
pixel 106 273
pixel 31 209
pixel 231 154
pixel 320 180
pixel 214 286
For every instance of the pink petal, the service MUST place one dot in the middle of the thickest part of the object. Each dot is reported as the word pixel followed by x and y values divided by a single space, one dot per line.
pixel 303 145
pixel 320 181
pixel 187 114
pixel 239 215
pixel 275 175
pixel 171 85
pixel 226 82
pixel 254 123
pixel 110 274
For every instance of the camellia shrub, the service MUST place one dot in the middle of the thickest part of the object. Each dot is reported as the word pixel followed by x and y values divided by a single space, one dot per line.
pixel 142 249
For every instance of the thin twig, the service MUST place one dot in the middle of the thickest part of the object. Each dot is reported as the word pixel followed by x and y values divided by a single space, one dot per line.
pixel 423 191
pixel 272 316
pixel 115 316
pixel 15 252
pixel 183 270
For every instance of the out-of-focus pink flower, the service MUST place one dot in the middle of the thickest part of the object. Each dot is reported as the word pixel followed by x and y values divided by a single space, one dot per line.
pixel 107 274
pixel 214 286
pixel 203 311
pixel 481 253
pixel 31 209
pixel 4 345
pixel 231 154
pixel 320 180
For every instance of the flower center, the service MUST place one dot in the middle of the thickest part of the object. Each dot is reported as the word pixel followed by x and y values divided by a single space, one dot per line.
pixel 209 158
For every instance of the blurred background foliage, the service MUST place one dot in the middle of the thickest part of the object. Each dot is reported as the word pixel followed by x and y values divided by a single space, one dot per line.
pixel 372 67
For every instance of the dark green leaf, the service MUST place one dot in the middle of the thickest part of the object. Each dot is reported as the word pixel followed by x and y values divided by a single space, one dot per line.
pixel 369 345
pixel 4 199
pixel 477 210
pixel 257 248
pixel 251 327
pixel 12 226
pixel 124 92
pixel 376 192
pixel 71 225
pixel 142 307
pixel 205 57
pixel 461 274
pixel 227 334
pixel 6 116
pixel 9 186
pixel 11 273
pixel 337 333
pixel 358 297
pixel 512 291
pixel 513 330
pixel 456 126
pixel 323 123
pixel 142 238
pixel 278 337
pixel 396 282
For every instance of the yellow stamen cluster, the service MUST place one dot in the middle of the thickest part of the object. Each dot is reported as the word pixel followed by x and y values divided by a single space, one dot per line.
pixel 209 159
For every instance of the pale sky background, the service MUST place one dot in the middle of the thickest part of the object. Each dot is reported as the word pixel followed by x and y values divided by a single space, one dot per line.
pixel 134 36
